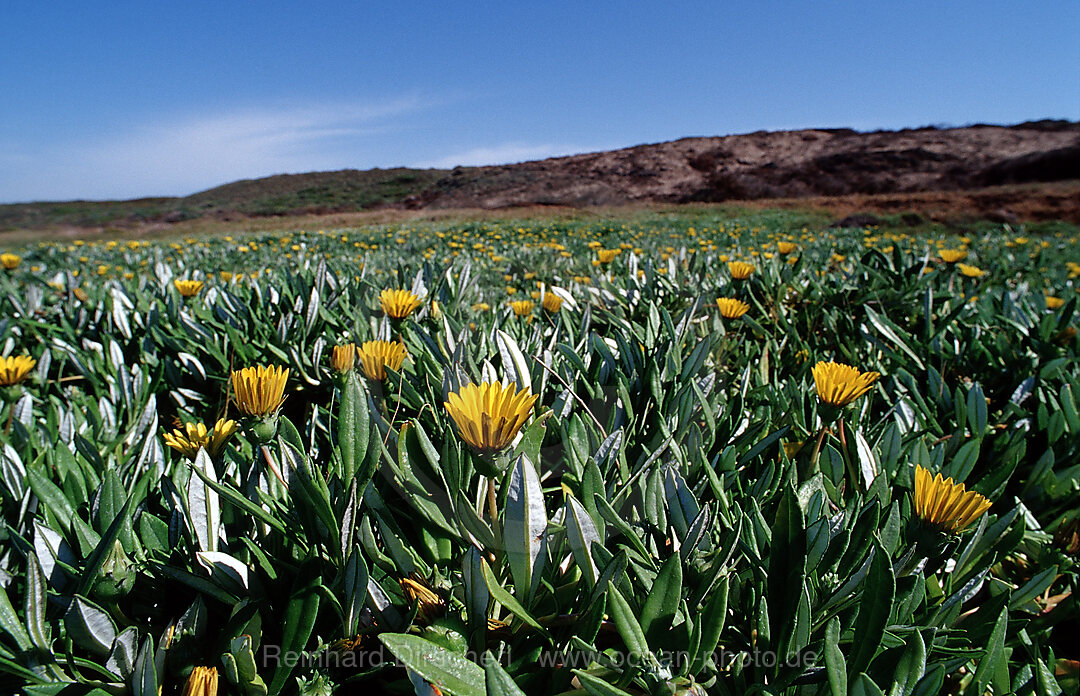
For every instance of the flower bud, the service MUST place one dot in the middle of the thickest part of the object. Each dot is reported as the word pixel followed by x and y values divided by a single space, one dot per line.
pixel 116 577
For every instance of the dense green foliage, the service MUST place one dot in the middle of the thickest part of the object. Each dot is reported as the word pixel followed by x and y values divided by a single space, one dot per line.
pixel 680 514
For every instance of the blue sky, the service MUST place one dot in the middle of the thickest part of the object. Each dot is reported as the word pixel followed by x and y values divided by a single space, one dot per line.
pixel 125 99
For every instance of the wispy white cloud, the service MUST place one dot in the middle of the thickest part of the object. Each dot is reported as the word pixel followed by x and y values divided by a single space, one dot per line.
pixel 185 155
pixel 506 153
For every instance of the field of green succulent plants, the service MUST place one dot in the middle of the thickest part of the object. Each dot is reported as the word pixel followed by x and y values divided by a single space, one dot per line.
pixel 674 455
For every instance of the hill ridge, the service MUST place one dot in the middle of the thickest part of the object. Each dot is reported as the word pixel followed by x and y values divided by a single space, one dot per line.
pixel 802 163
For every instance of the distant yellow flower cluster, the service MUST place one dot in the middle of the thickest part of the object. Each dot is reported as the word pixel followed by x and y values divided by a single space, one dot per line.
pixel 607 255
pixel 1054 302
pixel 953 255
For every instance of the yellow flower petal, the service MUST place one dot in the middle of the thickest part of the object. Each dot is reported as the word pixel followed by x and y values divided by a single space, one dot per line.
pixel 944 504
pixel 489 416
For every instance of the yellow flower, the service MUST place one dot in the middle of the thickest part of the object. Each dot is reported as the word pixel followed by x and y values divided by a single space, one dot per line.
pixel 481 307
pixel 189 440
pixel 259 391
pixel 944 504
pixel 13 369
pixel 399 304
pixel 488 416
pixel 188 288
pixel 203 681
pixel 193 436
pixel 497 626
pixel 740 270
pixel 429 606
pixel 223 430
pixel 607 255
pixel 376 356
pixel 522 308
pixel 1054 302
pixel 552 303
pixel 838 384
pixel 357 644
pixel 10 261
pixel 730 308
pixel 953 255
pixel 971 271
pixel 786 248
pixel 343 357
pixel 792 448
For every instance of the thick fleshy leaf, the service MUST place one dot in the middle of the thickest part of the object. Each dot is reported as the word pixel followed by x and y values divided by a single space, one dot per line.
pixel 525 528
pixel 452 673
pixel 354 428
pixel 581 534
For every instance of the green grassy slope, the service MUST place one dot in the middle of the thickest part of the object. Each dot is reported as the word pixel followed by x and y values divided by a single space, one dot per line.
pixel 284 194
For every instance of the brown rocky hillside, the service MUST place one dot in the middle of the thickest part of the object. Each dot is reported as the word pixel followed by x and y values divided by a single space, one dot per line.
pixel 785 164
pixel 980 165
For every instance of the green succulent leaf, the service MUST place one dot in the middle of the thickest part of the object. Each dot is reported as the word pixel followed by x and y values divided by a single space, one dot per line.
pixel 453 674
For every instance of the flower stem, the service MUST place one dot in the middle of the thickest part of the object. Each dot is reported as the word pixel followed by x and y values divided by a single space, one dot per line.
pixel 273 467
pixel 852 474
pixel 813 465
pixel 493 509
pixel 492 501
